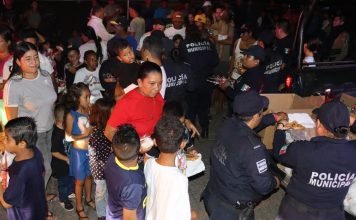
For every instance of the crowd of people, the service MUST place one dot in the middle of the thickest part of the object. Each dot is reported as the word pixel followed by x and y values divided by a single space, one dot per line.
pixel 116 103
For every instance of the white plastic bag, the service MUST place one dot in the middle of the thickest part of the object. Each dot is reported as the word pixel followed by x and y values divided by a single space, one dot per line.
pixel 350 199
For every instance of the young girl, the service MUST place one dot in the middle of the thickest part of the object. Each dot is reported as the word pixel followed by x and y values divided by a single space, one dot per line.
pixel 72 66
pixel 25 197
pixel 78 128
pixel 99 152
pixel 90 75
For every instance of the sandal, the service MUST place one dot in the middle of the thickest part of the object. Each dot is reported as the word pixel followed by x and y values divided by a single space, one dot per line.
pixel 90 203
pixel 79 214
pixel 51 197
pixel 50 216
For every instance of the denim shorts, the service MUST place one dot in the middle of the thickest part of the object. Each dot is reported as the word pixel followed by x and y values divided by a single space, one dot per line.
pixel 79 164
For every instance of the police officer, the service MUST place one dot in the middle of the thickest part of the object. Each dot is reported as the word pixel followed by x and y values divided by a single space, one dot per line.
pixel 323 168
pixel 252 79
pixel 240 174
pixel 272 76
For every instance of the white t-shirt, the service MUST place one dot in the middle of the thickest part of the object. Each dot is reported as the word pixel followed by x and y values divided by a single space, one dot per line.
pixel 164 82
pixel 167 192
pixel 45 64
pixel 33 98
pixel 140 43
pixel 92 80
pixel 137 26
pixel 90 45
pixel 99 28
pixel 170 32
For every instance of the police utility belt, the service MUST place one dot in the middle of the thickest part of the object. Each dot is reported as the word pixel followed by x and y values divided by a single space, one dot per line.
pixel 238 205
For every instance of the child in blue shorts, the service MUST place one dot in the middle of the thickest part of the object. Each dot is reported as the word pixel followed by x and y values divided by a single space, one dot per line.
pixel 78 127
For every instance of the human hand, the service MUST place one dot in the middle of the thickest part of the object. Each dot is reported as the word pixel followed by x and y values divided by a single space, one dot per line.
pixel 223 83
pixel 88 131
pixel 281 125
pixel 191 127
pixel 281 116
pixel 352 120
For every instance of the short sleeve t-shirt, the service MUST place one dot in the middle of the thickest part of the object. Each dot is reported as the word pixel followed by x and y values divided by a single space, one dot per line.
pixel 141 111
pixel 59 167
pixel 26 191
pixel 126 188
pixel 91 78
pixel 137 26
pixel 167 192
pixel 33 98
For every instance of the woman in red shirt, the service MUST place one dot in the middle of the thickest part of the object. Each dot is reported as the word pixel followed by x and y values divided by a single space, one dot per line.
pixel 141 107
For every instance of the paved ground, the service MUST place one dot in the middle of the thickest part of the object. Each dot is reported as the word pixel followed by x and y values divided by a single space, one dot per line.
pixel 266 210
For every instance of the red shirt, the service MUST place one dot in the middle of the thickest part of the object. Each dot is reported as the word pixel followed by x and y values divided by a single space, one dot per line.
pixel 141 111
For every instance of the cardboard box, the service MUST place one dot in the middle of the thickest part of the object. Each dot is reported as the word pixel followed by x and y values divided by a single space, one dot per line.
pixel 289 103
pixel 349 101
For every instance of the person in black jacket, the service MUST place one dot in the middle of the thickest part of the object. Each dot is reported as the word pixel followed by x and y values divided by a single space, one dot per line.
pixel 202 57
pixel 240 174
pixel 323 168
pixel 252 79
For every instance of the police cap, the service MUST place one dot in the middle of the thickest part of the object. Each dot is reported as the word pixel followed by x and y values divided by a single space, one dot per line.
pixel 335 117
pixel 249 103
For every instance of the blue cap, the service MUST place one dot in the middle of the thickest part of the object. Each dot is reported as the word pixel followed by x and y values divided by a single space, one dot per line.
pixel 249 103
pixel 335 117
pixel 256 51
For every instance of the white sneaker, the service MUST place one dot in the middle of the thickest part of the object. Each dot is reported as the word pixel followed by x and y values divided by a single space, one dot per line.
pixel 71 196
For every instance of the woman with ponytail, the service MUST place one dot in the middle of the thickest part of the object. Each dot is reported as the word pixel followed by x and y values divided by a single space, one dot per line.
pixel 92 42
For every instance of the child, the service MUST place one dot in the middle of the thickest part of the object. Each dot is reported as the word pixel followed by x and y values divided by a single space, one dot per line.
pixel 72 66
pixel 60 160
pixel 99 152
pixel 124 179
pixel 77 126
pixel 25 197
pixel 167 187
pixel 311 48
pixel 123 67
pixel 90 75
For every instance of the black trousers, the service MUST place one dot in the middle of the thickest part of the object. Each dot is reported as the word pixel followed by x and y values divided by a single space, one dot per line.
pixel 219 210
pixel 199 103
pixel 292 209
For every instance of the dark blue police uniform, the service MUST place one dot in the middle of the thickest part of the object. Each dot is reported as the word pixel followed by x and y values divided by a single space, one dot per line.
pixel 323 169
pixel 239 174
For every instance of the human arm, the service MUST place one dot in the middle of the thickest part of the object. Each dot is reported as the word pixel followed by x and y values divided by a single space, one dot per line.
pixel 3 202
pixel 129 214
pixel 270 119
pixel 109 132
pixel 60 156
pixel 69 128
pixel 191 127
pixel 11 112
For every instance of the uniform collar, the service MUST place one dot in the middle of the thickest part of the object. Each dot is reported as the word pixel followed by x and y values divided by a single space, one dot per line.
pixel 122 166
pixel 244 127
pixel 328 139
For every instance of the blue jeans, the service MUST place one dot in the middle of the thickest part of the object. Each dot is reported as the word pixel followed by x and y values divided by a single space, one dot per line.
pixel 101 197
pixel 65 187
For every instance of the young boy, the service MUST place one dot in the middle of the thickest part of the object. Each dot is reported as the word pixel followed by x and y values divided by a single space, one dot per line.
pixel 125 181
pixel 60 160
pixel 25 197
pixel 167 187
pixel 90 75
pixel 123 67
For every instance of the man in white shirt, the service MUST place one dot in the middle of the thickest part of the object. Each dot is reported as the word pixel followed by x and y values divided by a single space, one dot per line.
pixel 96 22
pixel 137 24
pixel 158 24
pixel 178 26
